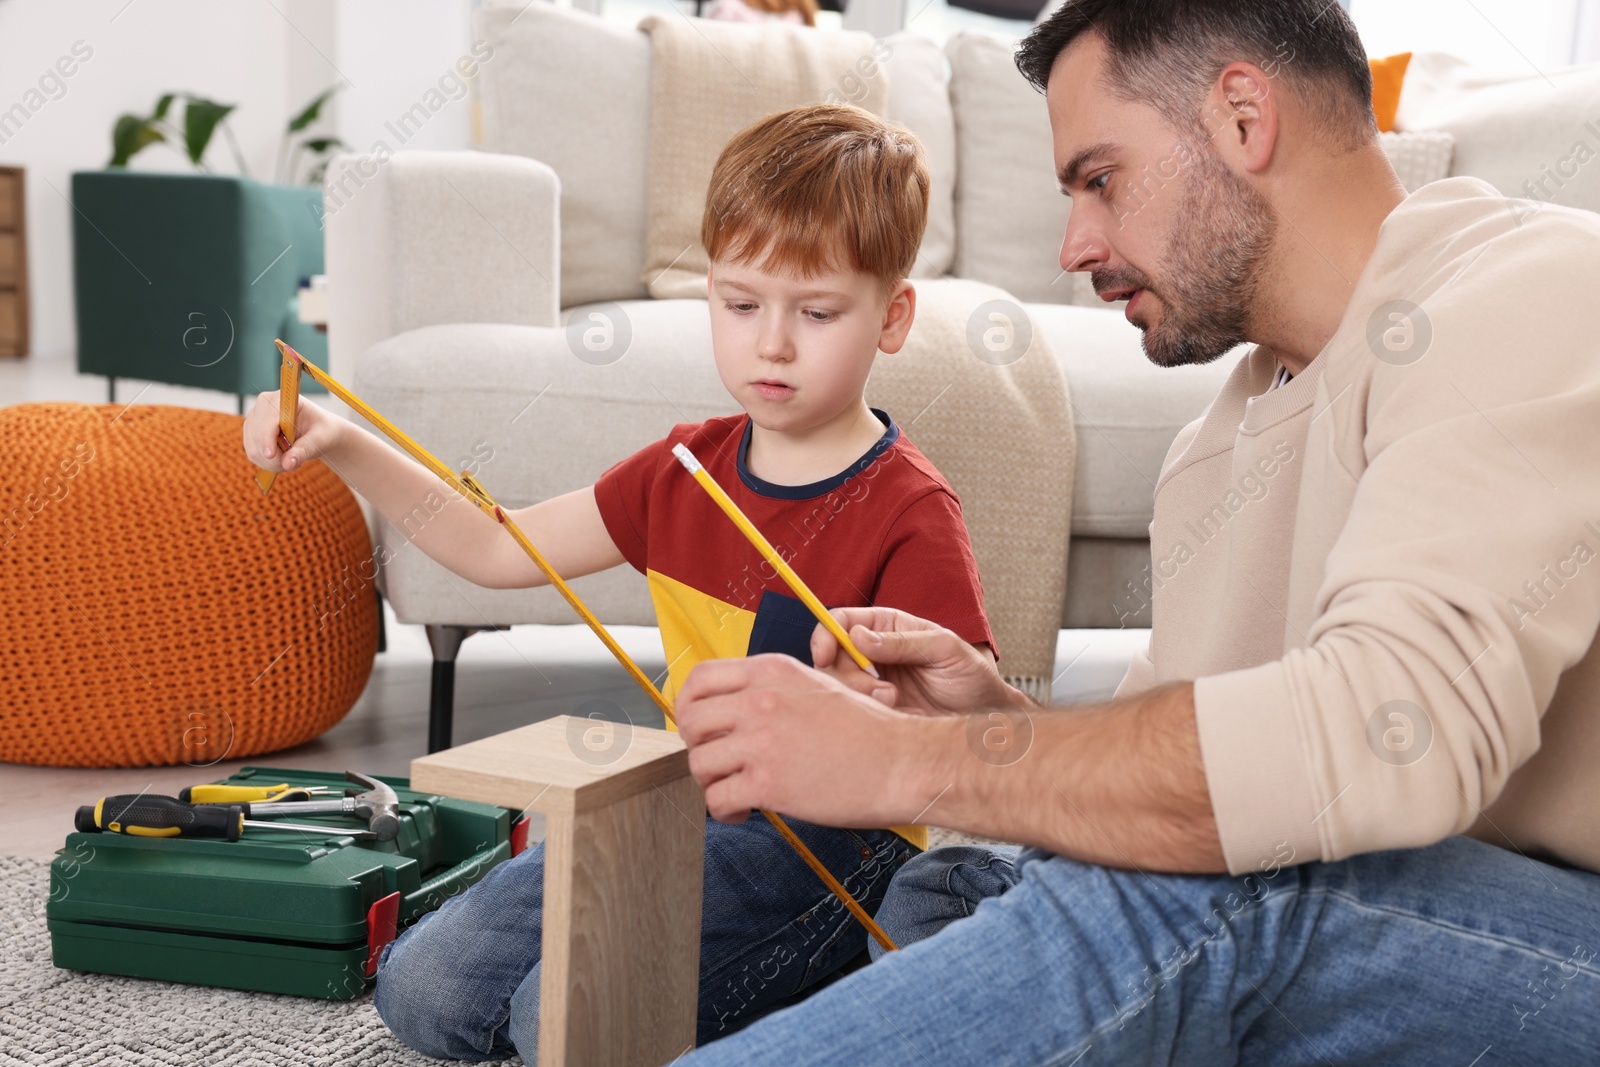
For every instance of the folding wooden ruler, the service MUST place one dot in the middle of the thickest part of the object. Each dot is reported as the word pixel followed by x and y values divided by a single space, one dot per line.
pixel 467 485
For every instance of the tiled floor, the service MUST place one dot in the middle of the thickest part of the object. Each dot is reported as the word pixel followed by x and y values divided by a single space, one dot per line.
pixel 503 679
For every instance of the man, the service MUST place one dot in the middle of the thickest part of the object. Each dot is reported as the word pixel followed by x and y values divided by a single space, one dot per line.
pixel 1370 692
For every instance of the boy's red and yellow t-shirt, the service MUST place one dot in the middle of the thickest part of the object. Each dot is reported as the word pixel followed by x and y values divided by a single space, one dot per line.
pixel 885 532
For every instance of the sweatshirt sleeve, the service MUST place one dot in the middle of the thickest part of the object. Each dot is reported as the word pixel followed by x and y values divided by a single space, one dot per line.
pixel 1462 583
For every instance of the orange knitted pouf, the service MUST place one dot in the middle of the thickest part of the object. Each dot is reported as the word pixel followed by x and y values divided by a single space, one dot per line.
pixel 159 609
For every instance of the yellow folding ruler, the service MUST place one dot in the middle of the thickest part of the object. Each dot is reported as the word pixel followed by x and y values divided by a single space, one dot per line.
pixel 468 486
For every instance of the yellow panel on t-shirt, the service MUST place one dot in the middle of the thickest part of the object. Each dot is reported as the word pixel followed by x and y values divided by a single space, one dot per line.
pixel 695 626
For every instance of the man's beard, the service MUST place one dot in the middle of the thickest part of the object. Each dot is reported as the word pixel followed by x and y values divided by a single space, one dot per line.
pixel 1212 266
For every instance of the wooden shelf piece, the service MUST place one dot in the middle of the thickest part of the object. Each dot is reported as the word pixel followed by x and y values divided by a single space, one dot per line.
pixel 13 264
pixel 624 855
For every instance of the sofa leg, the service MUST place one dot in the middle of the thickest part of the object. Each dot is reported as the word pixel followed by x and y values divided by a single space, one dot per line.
pixel 383 628
pixel 445 640
pixel 441 706
pixel 111 390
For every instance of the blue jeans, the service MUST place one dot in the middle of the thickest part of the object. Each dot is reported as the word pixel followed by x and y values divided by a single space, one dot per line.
pixel 463 982
pixel 1457 955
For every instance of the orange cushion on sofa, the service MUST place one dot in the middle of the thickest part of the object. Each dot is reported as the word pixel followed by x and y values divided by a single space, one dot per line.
pixel 159 609
pixel 1388 77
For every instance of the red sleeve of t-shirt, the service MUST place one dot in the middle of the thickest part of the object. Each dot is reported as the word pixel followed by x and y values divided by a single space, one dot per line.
pixel 623 494
pixel 928 569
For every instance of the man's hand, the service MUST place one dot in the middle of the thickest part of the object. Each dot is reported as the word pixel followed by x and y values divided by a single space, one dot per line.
pixel 768 731
pixel 1120 784
pixel 925 668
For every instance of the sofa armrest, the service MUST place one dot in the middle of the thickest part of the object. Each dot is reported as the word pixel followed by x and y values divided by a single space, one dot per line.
pixel 428 238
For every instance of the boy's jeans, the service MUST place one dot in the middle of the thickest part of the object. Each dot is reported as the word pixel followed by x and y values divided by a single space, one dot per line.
pixel 463 983
pixel 1456 955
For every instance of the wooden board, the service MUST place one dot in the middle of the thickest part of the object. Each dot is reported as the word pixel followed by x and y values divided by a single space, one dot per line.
pixel 10 320
pixel 624 861
pixel 564 764
pixel 621 971
pixel 10 198
pixel 8 259
pixel 14 340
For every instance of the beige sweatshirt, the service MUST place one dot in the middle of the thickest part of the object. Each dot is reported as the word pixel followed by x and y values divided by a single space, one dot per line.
pixel 1384 576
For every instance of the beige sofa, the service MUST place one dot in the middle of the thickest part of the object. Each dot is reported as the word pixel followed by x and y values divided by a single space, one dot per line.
pixel 464 285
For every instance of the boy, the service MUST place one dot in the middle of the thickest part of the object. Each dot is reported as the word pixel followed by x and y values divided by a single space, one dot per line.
pixel 812 223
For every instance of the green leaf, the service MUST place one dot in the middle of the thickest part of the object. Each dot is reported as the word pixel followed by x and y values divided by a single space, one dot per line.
pixel 312 111
pixel 163 105
pixel 129 135
pixel 322 144
pixel 200 119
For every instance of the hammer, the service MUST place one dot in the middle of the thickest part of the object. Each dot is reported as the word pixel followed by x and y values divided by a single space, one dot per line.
pixel 377 804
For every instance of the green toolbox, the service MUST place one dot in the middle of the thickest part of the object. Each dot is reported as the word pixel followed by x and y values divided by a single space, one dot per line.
pixel 273 910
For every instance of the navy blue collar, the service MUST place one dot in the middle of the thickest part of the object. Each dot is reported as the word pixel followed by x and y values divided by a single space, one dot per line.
pixel 827 485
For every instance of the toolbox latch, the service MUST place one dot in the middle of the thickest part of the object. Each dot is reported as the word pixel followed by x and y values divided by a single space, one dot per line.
pixel 382 919
pixel 519 835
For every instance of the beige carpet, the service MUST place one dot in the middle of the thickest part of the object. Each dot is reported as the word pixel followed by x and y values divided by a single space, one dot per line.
pixel 55 1017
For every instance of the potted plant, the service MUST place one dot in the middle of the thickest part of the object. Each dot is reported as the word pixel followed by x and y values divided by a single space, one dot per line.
pixel 201 120
pixel 187 277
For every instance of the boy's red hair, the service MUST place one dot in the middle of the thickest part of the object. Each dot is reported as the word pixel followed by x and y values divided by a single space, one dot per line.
pixel 819 188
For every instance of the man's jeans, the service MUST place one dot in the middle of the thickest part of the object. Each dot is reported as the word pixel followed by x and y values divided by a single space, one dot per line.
pixel 1458 955
pixel 463 983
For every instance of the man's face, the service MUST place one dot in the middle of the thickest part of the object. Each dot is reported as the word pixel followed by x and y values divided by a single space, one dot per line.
pixel 1157 217
pixel 794 352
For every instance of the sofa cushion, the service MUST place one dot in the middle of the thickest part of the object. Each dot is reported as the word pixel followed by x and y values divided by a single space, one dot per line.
pixel 573 91
pixel 919 99
pixel 1419 156
pixel 1529 135
pixel 537 413
pixel 1010 215
pixel 1126 409
pixel 709 80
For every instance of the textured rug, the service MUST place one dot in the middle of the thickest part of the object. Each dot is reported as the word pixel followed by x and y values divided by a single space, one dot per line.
pixel 55 1017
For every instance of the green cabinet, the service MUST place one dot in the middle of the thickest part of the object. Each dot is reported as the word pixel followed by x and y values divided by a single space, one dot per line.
pixel 187 278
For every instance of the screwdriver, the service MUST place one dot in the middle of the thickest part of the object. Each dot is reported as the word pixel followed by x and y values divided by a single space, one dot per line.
pixel 230 794
pixel 144 815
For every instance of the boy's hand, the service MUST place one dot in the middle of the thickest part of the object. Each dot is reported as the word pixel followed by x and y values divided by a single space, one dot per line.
pixel 316 433
pixel 925 667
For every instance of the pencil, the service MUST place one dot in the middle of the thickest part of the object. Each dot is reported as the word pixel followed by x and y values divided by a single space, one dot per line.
pixel 763 546
pixel 288 409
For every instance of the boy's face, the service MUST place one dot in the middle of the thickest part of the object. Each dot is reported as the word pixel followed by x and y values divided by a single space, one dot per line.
pixel 796 352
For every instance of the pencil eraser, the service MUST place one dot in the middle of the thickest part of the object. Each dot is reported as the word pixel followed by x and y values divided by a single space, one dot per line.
pixel 686 457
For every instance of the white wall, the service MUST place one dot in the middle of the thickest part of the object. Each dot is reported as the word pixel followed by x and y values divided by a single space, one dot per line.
pixel 1509 35
pixel 429 36
pixel 268 56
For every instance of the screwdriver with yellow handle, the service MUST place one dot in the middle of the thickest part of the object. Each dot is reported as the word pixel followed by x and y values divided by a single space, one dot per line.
pixel 243 794
pixel 144 815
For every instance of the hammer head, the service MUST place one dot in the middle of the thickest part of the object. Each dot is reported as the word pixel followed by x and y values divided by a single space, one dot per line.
pixel 377 803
